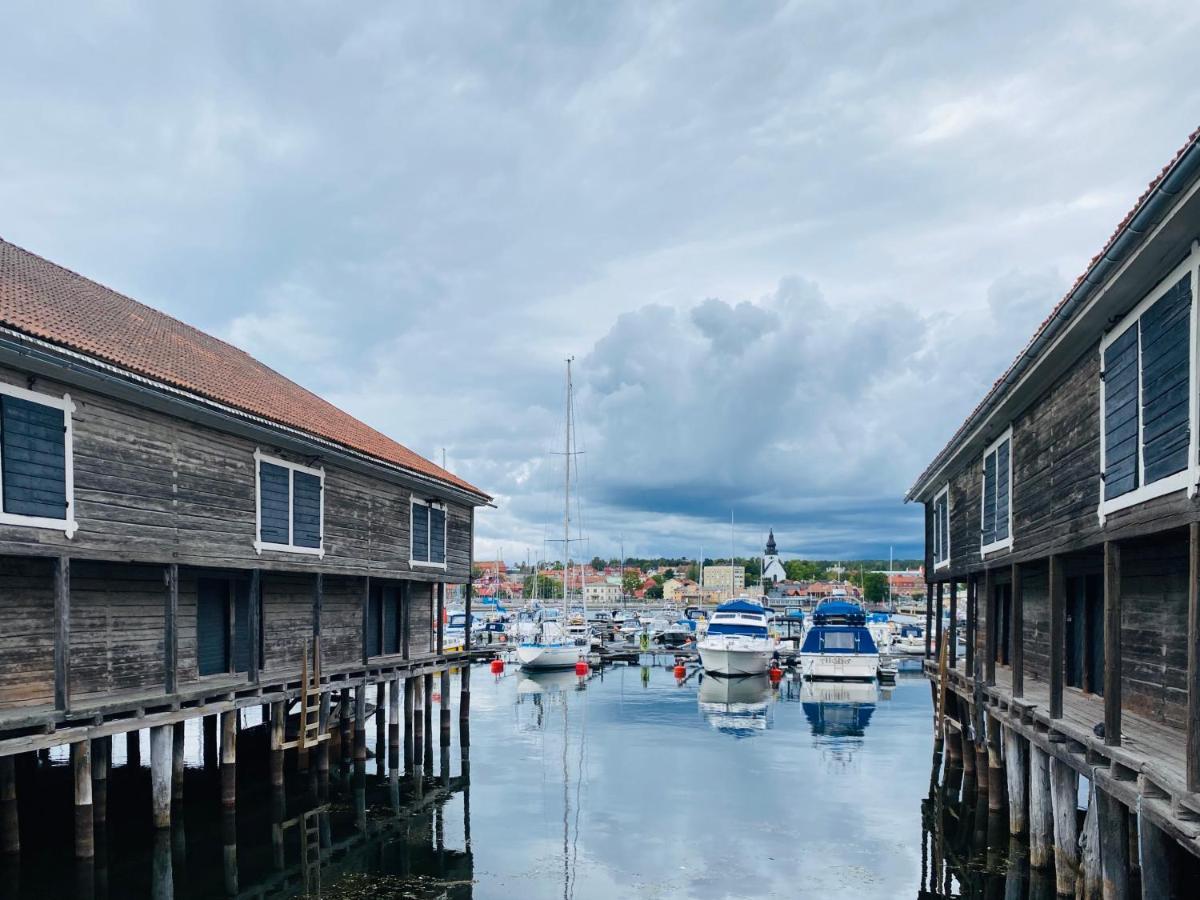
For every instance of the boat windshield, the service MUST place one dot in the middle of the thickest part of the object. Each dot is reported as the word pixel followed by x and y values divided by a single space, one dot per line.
pixel 737 628
pixel 839 640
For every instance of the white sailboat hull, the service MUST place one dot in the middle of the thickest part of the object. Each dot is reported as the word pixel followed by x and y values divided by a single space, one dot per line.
pixel 548 656
pixel 723 656
pixel 840 666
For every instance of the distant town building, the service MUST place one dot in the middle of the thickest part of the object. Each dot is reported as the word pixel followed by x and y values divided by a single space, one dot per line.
pixel 677 589
pixel 772 565
pixel 727 580
pixel 491 567
pixel 603 593
pixel 910 583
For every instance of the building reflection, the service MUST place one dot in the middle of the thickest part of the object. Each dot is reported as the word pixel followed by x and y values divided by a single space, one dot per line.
pixel 736 706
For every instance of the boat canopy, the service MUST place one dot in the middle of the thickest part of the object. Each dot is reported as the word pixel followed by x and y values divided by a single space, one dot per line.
pixel 736 627
pixel 839 612
pixel 839 639
pixel 742 606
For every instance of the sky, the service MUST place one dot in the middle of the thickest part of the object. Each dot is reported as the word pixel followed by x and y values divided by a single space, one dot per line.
pixel 789 245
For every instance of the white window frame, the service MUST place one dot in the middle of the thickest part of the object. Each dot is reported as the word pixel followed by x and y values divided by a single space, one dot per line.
pixel 1005 543
pixel 1187 478
pixel 432 504
pixel 945 563
pixel 261 545
pixel 66 525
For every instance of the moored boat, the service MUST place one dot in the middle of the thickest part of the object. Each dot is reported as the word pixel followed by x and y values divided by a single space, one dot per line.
pixel 839 645
pixel 737 641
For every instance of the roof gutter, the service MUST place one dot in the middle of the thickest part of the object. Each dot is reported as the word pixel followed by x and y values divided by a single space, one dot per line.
pixel 1149 214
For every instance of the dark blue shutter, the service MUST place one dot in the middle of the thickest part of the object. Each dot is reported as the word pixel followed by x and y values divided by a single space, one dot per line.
pixel 420 533
pixel 273 503
pixel 1002 489
pixel 989 498
pixel 943 525
pixel 34 459
pixel 1121 415
pixel 212 626
pixel 306 510
pixel 437 535
pixel 1166 352
pixel 391 620
pixel 241 628
pixel 374 620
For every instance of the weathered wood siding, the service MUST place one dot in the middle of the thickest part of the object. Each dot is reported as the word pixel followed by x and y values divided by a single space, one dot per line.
pixel 341 622
pixel 26 632
pixel 287 622
pixel 151 487
pixel 421 640
pixel 1035 597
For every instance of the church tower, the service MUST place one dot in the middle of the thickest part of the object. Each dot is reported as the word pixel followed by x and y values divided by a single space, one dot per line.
pixel 772 566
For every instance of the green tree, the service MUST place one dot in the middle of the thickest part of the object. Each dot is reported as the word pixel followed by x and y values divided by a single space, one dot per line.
pixel 546 586
pixel 654 592
pixel 875 586
pixel 658 579
pixel 631 582
pixel 693 572
pixel 597 564
pixel 669 573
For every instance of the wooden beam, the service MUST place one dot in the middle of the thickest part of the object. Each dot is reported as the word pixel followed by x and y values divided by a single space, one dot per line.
pixel 366 614
pixel 10 832
pixel 1015 759
pixel 229 730
pixel 1114 845
pixel 953 638
pixel 972 590
pixel 62 633
pixel 1064 800
pixel 937 631
pixel 439 638
pixel 1193 659
pixel 1041 811
pixel 160 774
pixel 1112 644
pixel 405 616
pixel 171 630
pixel 928 619
pixel 318 602
pixel 81 766
pixel 1016 633
pixel 989 624
pixel 1058 634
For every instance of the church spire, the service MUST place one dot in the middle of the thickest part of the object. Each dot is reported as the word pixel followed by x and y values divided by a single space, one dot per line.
pixel 771 544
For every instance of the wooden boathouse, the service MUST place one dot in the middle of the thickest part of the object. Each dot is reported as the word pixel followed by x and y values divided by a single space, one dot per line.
pixel 1063 517
pixel 185 533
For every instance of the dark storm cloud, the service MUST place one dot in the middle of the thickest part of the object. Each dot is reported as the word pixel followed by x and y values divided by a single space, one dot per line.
pixel 790 244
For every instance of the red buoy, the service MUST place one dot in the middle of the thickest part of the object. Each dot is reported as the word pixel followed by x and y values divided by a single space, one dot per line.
pixel 581 667
pixel 775 674
pixel 680 671
pixel 497 666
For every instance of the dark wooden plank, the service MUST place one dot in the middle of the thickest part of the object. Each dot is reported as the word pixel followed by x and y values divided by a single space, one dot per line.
pixel 972 591
pixel 62 633
pixel 318 602
pixel 941 592
pixel 441 607
pixel 254 661
pixel 928 619
pixel 1193 659
pixel 953 638
pixel 406 598
pixel 365 600
pixel 989 601
pixel 1112 643
pixel 1017 634
pixel 171 629
pixel 1058 634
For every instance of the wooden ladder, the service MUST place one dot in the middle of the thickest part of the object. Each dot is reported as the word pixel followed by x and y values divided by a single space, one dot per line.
pixel 939 723
pixel 309 733
pixel 310 851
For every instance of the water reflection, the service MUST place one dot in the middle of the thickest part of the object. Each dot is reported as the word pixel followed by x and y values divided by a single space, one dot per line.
pixel 736 706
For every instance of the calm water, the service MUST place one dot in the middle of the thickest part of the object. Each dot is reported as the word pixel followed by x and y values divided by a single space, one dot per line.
pixel 631 785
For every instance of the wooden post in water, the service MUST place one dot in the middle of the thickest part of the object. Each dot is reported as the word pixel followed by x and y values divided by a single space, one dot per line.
pixel 347 723
pixel 444 708
pixel 10 829
pixel 995 765
pixel 1014 766
pixel 1064 800
pixel 1157 851
pixel 1112 644
pixel 278 719
pixel 160 774
pixel 81 767
pixel 1089 852
pixel 360 723
pixel 410 724
pixel 101 751
pixel 968 749
pixel 428 725
pixel 418 722
pixel 229 730
pixel 953 638
pixel 380 727
pixel 1114 845
pixel 393 692
pixel 133 750
pixel 323 713
pixel 1041 815
pixel 211 751
pixel 177 752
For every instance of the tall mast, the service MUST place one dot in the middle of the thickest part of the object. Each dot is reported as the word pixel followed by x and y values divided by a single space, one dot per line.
pixel 567 491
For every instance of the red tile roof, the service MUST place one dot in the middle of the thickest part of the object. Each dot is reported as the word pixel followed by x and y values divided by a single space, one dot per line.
pixel 46 301
pixel 999 383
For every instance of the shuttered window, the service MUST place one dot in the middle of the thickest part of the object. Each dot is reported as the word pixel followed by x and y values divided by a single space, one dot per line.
pixel 941 528
pixel 1146 384
pixel 290 506
pixel 996 502
pixel 212 626
pixel 35 460
pixel 384 624
pixel 428 534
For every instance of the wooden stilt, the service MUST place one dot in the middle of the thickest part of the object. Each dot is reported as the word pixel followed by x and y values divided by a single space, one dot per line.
pixel 160 774
pixel 1041 815
pixel 1064 801
pixel 100 765
pixel 937 631
pixel 347 723
pixel 393 691
pixel 995 766
pixel 1114 846
pixel 278 719
pixel 360 723
pixel 428 725
pixel 10 831
pixel 928 620
pixel 1014 767
pixel 211 752
pixel 968 748
pixel 444 708
pixel 323 729
pixel 410 692
pixel 1088 885
pixel 177 752
pixel 1159 861
pixel 953 633
pixel 81 765
pixel 418 722
pixel 380 727
pixel 133 750
pixel 229 730
pixel 464 693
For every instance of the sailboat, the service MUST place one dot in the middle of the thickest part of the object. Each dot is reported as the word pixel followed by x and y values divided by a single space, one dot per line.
pixel 551 646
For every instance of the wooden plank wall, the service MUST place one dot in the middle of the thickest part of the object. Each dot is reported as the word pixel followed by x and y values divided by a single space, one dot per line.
pixel 26 632
pixel 341 621
pixel 1036 620
pixel 150 487
pixel 287 620
pixel 421 597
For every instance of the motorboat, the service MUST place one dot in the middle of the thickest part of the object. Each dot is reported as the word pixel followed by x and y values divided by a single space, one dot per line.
pixel 454 635
pixel 737 641
pixel 677 634
pixel 550 648
pixel 839 645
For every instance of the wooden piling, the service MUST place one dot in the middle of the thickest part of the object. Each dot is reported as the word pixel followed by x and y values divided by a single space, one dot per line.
pixel 418 722
pixel 360 723
pixel 968 748
pixel 323 714
pixel 178 735
pixel 81 766
pixel 410 692
pixel 380 727
pixel 428 725
pixel 229 729
pixel 211 751
pixel 133 750
pixel 953 635
pixel 10 830
pixel 393 691
pixel 101 750
pixel 1064 801
pixel 1041 814
pixel 464 694
pixel 995 765
pixel 160 775
pixel 1157 851
pixel 1113 819
pixel 278 720
pixel 444 708
pixel 1014 767
pixel 347 723
pixel 1088 886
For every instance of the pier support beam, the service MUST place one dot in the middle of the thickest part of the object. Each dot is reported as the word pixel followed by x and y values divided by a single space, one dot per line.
pixel 101 751
pixel 410 691
pixel 10 831
pixel 81 767
pixel 1064 801
pixel 229 730
pixel 360 723
pixel 444 709
pixel 133 750
pixel 952 655
pixel 380 727
pixel 211 752
pixel 428 719
pixel 1114 845
pixel 347 723
pixel 1014 767
pixel 995 765
pixel 323 710
pixel 418 722
pixel 1041 815
pixel 177 746
pixel 937 631
pixel 278 718
pixel 393 692
pixel 1158 852
pixel 928 619
pixel 160 774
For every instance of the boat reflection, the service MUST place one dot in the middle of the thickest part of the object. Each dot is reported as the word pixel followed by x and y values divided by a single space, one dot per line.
pixel 839 709
pixel 737 706
pixel 540 691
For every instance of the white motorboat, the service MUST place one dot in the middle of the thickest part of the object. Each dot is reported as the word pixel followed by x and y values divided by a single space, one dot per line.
pixel 737 706
pixel 838 645
pixel 737 642
pixel 551 648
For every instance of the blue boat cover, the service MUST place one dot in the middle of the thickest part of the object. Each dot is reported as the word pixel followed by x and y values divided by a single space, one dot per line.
pixel 878 617
pixel 839 639
pixel 852 613
pixel 742 606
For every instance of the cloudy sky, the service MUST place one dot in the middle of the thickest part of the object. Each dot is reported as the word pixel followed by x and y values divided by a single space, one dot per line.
pixel 789 245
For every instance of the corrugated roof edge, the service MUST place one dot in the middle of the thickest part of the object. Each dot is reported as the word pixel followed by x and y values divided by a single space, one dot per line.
pixel 1138 221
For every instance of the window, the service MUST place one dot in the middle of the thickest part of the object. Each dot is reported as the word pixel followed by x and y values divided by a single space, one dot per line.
pixel 223 626
pixel 427 538
pixel 941 529
pixel 1085 633
pixel 384 623
pixel 36 471
pixel 1146 387
pixel 290 511
pixel 838 640
pixel 996 525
